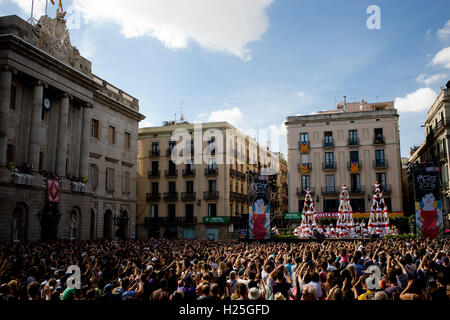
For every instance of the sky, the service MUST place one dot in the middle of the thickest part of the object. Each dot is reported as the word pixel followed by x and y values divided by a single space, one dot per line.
pixel 253 63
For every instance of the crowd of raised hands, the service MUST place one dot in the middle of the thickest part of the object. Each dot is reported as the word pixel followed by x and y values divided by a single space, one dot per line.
pixel 191 270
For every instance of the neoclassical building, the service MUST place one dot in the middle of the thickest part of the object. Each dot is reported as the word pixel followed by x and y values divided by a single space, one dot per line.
pixel 68 140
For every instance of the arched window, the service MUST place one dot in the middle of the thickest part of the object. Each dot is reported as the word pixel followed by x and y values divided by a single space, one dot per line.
pixel 107 225
pixel 74 223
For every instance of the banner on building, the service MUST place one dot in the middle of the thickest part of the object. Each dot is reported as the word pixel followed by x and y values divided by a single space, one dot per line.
pixel 429 220
pixel 54 191
pixel 259 211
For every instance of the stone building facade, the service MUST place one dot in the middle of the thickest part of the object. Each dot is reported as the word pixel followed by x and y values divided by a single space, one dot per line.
pixel 59 120
pixel 434 150
pixel 205 200
pixel 356 145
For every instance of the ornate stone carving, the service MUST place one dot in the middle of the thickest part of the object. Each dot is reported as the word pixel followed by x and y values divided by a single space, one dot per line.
pixel 52 36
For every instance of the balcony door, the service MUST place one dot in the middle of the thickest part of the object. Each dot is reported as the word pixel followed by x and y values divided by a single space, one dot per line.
pixel 330 183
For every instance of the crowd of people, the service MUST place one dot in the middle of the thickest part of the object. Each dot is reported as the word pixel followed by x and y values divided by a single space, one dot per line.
pixel 191 270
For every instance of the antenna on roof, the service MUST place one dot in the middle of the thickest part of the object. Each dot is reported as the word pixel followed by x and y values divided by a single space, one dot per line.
pixel 181 107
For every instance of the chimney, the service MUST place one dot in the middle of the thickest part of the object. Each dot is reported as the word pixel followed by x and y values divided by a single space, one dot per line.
pixel 345 103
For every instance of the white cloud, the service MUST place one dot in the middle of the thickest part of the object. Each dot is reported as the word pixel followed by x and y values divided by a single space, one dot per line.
pixel 442 58
pixel 428 34
pixel 444 33
pixel 219 25
pixel 300 94
pixel 39 7
pixel 418 101
pixel 423 78
pixel 146 124
pixel 233 116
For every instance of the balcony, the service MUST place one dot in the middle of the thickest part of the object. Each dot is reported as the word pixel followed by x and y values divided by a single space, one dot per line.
pixel 171 221
pixel 152 222
pixel 188 196
pixel 188 220
pixel 349 166
pixel 233 173
pixel 154 174
pixel 356 190
pixel 379 141
pixel 154 154
pixel 234 196
pixel 211 172
pixel 211 195
pixel 327 144
pixel 153 197
pixel 169 152
pixel 386 189
pixel 171 196
pixel 304 169
pixel 330 190
pixel 380 164
pixel 329 166
pixel 302 191
pixel 353 142
pixel 188 172
pixel 172 173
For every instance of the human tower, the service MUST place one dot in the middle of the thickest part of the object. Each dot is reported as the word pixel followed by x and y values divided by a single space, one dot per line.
pixel 345 227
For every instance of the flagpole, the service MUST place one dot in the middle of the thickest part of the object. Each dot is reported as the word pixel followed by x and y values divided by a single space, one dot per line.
pixel 46 7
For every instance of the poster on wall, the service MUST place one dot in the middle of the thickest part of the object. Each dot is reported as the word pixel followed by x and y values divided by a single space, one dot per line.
pixel 54 188
pixel 429 220
pixel 259 211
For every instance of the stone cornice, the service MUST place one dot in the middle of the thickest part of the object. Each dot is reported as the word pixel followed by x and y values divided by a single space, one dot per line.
pixel 337 117
pixel 12 42
pixel 127 164
pixel 112 160
pixel 116 105
pixel 95 155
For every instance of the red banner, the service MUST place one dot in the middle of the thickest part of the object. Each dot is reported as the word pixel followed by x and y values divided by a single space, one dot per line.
pixel 54 190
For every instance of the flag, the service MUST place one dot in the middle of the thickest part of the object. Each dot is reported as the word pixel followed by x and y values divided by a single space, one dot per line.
pixel 304 148
pixel 355 167
pixel 60 5
pixel 304 168
pixel 53 2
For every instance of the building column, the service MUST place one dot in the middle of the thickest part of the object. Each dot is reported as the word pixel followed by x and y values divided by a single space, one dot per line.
pixel 85 142
pixel 36 113
pixel 5 94
pixel 61 154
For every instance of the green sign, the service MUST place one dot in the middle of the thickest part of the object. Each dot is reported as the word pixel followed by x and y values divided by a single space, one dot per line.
pixel 215 220
pixel 292 216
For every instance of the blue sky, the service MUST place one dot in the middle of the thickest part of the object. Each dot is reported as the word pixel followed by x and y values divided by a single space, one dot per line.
pixel 255 62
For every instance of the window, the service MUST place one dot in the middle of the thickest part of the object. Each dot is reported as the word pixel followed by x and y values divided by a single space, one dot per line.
pixel 155 167
pixel 127 142
pixel 354 156
pixel 126 182
pixel 379 137
pixel 306 182
pixel 381 178
pixel 355 182
pixel 154 211
pixel 172 145
pixel 304 137
pixel 10 154
pixel 155 187
pixel 380 160
pixel 330 182
pixel 358 205
pixel 172 166
pixel 155 147
pixel 110 175
pixel 353 137
pixel 93 175
pixel 172 187
pixel 328 139
pixel 111 135
pixel 212 211
pixel 212 186
pixel 189 186
pixel 171 211
pixel 329 160
pixel 95 129
pixel 12 102
pixel 189 212
pixel 212 164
